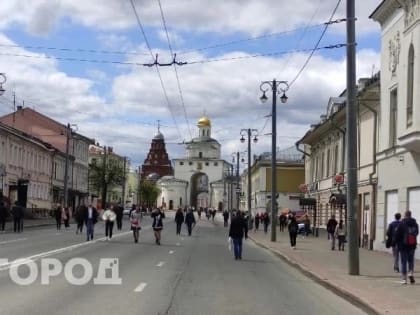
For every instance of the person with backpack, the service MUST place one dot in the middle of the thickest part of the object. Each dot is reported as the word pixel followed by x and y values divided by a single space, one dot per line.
pixel 391 240
pixel 406 237
pixel 293 230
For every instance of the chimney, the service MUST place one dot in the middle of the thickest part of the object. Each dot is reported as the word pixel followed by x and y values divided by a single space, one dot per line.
pixel 19 107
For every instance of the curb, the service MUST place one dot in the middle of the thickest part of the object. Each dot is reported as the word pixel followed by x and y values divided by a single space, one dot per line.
pixel 345 294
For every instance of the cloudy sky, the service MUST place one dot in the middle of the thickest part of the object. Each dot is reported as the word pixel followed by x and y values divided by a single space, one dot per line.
pixel 82 62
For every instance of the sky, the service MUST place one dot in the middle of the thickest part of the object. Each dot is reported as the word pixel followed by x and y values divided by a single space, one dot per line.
pixel 83 62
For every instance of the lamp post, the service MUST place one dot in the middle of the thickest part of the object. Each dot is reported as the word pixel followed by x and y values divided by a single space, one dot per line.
pixel 250 133
pixel 276 87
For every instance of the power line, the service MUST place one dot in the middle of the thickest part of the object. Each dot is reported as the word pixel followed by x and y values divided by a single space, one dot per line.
pixel 175 69
pixel 330 21
pixel 82 50
pixel 157 68
pixel 247 39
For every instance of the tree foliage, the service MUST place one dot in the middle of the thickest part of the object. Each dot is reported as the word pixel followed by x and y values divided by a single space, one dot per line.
pixel 148 192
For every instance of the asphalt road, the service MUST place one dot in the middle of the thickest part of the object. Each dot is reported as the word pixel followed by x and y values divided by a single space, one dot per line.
pixel 194 275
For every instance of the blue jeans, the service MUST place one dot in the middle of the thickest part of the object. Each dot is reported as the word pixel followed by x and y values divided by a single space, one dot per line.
pixel 407 257
pixel 237 247
pixel 89 229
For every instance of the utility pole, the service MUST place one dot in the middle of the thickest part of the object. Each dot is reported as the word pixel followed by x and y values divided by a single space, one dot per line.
pixel 249 180
pixel 104 184
pixel 66 166
pixel 237 181
pixel 274 163
pixel 351 135
pixel 124 182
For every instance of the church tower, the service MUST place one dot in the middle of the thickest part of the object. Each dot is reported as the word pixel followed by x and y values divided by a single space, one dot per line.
pixel 157 161
pixel 204 127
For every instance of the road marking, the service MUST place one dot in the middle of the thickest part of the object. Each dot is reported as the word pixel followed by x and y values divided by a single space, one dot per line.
pixel 171 252
pixel 160 264
pixel 177 244
pixel 55 251
pixel 13 241
pixel 140 287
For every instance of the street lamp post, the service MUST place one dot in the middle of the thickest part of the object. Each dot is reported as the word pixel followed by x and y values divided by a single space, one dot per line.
pixel 250 133
pixel 276 87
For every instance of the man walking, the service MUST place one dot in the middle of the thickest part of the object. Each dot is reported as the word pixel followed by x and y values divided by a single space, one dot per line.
pixel 3 216
pixel 119 211
pixel 225 218
pixel 392 242
pixel 238 229
pixel 293 230
pixel 407 232
pixel 18 213
pixel 91 217
pixel 190 221
pixel 331 225
pixel 179 219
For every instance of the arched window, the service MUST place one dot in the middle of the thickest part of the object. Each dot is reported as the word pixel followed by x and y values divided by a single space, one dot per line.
pixel 410 85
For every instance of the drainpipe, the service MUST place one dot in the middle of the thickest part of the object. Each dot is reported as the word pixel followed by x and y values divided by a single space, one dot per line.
pixel 300 150
pixel 371 182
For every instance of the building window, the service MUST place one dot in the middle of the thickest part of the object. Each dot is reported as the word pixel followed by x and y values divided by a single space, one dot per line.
pixel 410 86
pixel 207 163
pixel 190 163
pixel 393 118
pixel 328 162
pixel 216 164
pixel 335 160
pixel 200 155
pixel 181 163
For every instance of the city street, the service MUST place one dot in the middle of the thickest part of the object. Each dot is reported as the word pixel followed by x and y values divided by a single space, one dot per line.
pixel 185 275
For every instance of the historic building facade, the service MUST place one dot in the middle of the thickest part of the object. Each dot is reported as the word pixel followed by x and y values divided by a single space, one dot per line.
pixel 398 157
pixel 200 178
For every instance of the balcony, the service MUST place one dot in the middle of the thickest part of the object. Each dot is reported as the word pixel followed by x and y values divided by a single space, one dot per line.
pixel 411 141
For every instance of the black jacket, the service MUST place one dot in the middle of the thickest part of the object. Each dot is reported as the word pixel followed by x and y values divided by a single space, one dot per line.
pixel 189 218
pixel 18 212
pixel 402 231
pixel 3 212
pixel 238 228
pixel 293 226
pixel 94 215
pixel 179 217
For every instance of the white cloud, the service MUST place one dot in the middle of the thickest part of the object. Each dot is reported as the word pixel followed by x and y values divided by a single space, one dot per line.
pixel 224 17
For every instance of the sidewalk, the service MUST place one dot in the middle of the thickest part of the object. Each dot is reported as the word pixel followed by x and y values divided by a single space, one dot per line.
pixel 376 290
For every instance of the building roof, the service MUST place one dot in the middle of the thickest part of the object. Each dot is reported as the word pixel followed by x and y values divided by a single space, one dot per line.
pixel 204 122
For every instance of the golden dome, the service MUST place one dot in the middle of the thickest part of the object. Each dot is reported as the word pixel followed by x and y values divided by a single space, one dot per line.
pixel 204 122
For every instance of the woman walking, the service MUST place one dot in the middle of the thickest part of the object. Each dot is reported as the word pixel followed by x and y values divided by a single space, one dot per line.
pixel 58 216
pixel 66 217
pixel 135 220
pixel 109 217
pixel 293 230
pixel 340 233
pixel 157 216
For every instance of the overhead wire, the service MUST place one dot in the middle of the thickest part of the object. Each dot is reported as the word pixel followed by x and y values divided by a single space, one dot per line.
pixel 156 67
pixel 316 45
pixel 175 68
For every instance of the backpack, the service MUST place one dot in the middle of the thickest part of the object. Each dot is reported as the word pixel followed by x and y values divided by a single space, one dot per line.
pixel 410 238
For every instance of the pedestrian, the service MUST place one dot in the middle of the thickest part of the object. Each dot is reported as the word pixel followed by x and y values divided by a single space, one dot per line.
pixel 225 218
pixel 119 211
pixel 3 216
pixel 307 225
pixel 157 215
pixel 199 210
pixel 266 222
pixel 66 217
pixel 282 221
pixel 237 231
pixel 79 217
pixel 406 237
pixel 391 240
pixel 135 220
pixel 213 214
pixel 109 217
pixel 90 218
pixel 257 221
pixel 293 230
pixel 331 225
pixel 179 219
pixel 18 213
pixel 340 233
pixel 58 216
pixel 190 221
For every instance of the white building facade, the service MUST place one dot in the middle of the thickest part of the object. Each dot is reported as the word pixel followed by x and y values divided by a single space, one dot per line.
pixel 399 124
pixel 200 179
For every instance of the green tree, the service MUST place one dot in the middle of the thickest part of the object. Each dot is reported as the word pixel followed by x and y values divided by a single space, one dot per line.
pixel 148 192
pixel 106 175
